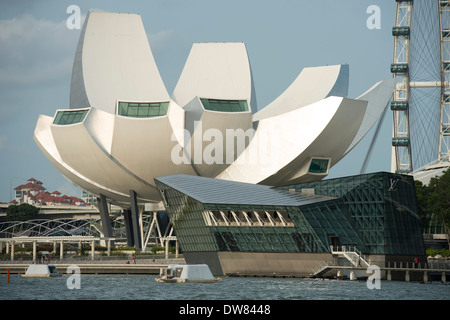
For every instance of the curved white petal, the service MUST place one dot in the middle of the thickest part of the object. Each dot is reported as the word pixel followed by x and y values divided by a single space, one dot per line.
pixel 215 71
pixel 378 96
pixel 312 85
pixel 284 144
pixel 144 145
pixel 114 60
pixel 44 139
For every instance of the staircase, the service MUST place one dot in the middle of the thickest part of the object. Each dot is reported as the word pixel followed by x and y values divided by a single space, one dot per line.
pixel 351 254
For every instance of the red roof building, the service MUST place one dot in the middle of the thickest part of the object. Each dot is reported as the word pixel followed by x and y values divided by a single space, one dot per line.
pixel 34 193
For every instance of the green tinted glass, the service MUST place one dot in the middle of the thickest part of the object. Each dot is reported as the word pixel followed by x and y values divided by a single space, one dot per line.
pixel 143 110
pixel 318 166
pixel 70 117
pixel 225 105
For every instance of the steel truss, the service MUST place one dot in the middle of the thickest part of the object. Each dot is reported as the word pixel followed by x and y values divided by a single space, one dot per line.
pixel 421 130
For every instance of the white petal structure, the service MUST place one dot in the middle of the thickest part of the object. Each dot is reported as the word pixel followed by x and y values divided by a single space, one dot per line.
pixel 114 61
pixel 123 129
pixel 312 85
pixel 215 89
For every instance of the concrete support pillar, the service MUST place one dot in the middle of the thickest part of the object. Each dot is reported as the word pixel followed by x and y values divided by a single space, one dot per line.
pixel 1 247
pixel 12 250
pixel 177 249
pixel 443 278
pixel 167 248
pixel 425 276
pixel 135 220
pixel 128 227
pixel 141 227
pixel 389 276
pixel 407 276
pixel 61 250
pixel 108 247
pixel 104 215
pixel 7 247
pixel 54 247
pixel 34 250
pixel 92 250
pixel 352 275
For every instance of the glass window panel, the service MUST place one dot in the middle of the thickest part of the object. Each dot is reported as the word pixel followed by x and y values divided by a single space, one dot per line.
pixel 154 111
pixel 58 117
pixel 123 108
pixel 143 111
pixel 205 103
pixel 318 166
pixel 132 110
pixel 70 117
pixel 164 107
pixel 64 118
pixel 225 106
pixel 235 106
pixel 244 105
pixel 78 117
pixel 215 105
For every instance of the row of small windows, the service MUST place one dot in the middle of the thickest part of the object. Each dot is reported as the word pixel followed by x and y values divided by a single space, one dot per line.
pixel 143 110
pixel 70 117
pixel 241 218
pixel 225 105
pixel 148 110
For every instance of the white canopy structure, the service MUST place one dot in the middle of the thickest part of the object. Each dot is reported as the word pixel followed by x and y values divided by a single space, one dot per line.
pixel 123 129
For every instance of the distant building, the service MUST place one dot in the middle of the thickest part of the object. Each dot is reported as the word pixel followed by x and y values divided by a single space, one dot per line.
pixel 34 193
pixel 89 198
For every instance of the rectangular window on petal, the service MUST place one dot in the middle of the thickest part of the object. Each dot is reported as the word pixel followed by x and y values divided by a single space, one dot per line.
pixel 225 105
pixel 143 109
pixel 66 117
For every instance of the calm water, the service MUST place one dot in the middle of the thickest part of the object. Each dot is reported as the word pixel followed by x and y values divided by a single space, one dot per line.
pixel 144 287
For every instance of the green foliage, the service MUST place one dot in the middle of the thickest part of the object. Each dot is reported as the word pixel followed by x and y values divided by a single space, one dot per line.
pixel 156 249
pixel 434 201
pixel 435 252
pixel 21 212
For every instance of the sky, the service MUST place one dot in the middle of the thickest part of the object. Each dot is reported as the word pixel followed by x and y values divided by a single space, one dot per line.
pixel 281 36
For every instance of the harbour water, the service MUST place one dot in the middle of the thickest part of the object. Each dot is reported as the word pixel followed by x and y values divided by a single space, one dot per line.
pixel 144 287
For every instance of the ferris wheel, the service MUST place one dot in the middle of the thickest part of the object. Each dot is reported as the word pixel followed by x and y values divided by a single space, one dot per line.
pixel 421 100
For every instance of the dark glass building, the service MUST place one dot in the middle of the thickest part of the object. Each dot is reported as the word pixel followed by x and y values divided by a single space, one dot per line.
pixel 240 228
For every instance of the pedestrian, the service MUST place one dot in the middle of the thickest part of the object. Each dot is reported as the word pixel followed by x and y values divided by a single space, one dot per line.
pixel 416 261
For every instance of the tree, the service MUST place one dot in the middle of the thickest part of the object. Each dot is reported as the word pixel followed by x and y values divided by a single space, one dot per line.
pixel 422 194
pixel 434 200
pixel 21 212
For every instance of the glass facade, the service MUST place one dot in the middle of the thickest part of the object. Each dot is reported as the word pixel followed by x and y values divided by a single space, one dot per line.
pixel 225 105
pixel 376 213
pixel 143 110
pixel 70 116
pixel 382 207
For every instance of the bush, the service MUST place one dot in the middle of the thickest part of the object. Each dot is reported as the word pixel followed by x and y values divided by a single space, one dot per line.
pixel 22 212
pixel 156 249
pixel 435 252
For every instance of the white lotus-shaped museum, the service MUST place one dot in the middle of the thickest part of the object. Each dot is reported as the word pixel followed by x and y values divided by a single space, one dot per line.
pixel 123 129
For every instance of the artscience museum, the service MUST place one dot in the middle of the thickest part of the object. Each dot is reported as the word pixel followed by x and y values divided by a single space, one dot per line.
pixel 127 140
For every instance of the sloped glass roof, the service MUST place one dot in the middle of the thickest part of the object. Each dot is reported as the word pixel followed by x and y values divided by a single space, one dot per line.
pixel 209 190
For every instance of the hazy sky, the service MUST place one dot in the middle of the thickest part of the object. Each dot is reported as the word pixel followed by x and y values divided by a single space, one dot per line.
pixel 282 37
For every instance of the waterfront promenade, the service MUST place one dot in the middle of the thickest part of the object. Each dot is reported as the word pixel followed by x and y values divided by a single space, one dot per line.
pixel 101 266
